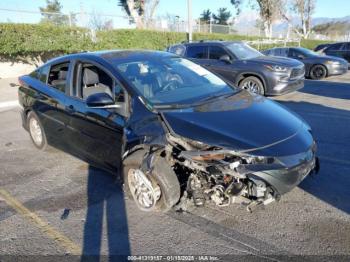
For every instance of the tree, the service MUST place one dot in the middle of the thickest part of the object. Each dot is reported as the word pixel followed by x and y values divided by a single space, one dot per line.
pixel 97 23
pixel 140 12
pixel 237 4
pixel 205 16
pixel 222 16
pixel 269 11
pixel 51 13
pixel 303 9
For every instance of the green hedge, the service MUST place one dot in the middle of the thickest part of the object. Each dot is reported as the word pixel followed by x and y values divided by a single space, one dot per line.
pixel 32 40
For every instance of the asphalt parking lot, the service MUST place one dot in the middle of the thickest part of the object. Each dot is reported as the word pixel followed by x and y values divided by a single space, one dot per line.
pixel 54 204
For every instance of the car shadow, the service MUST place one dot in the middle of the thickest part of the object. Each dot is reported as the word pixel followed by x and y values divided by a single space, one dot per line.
pixel 327 89
pixel 331 130
pixel 105 203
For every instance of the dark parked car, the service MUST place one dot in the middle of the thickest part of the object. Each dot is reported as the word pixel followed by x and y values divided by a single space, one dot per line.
pixel 341 50
pixel 244 66
pixel 158 119
pixel 316 66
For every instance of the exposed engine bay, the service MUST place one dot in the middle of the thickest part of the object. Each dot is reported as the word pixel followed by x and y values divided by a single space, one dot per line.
pixel 221 176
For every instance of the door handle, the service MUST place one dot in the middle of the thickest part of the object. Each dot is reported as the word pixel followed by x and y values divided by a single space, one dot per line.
pixel 70 109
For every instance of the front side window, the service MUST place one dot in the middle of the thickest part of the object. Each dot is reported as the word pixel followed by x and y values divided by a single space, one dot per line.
pixel 199 52
pixel 172 81
pixel 294 53
pixel 58 76
pixel 215 52
pixel 93 80
pixel 243 51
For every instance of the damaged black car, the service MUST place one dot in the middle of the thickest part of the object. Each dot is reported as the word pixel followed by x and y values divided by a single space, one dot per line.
pixel 173 130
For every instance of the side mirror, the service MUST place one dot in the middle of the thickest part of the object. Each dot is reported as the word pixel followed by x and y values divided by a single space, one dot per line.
pixel 226 59
pixel 99 100
pixel 301 57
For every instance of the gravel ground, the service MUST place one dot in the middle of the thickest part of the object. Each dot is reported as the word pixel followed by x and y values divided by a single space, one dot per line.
pixel 87 206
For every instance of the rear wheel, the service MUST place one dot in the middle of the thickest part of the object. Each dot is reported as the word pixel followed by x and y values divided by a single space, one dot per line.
pixel 158 190
pixel 318 72
pixel 252 84
pixel 36 131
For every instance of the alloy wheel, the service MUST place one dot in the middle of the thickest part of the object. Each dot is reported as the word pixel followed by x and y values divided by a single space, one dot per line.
pixel 318 72
pixel 145 193
pixel 35 131
pixel 251 86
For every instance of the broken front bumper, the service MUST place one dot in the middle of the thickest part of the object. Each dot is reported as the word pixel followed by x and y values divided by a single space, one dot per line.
pixel 284 180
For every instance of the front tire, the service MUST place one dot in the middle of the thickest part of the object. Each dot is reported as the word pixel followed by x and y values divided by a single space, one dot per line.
pixel 318 72
pixel 36 131
pixel 157 191
pixel 252 84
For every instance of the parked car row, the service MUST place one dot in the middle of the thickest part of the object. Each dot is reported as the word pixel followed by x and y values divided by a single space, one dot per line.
pixel 244 66
pixel 275 71
pixel 170 128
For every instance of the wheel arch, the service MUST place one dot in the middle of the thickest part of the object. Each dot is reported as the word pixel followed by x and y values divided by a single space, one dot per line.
pixel 244 75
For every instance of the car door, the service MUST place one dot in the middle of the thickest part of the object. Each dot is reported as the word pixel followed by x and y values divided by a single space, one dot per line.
pixel 223 68
pixel 96 134
pixel 50 99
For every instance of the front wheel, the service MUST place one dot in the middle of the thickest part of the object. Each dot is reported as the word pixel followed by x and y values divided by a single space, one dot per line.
pixel 158 190
pixel 252 84
pixel 318 72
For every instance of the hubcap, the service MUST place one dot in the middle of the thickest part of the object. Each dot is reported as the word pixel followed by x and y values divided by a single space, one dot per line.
pixel 144 192
pixel 35 131
pixel 251 86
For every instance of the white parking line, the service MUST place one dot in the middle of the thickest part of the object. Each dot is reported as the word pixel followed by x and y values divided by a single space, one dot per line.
pixel 7 104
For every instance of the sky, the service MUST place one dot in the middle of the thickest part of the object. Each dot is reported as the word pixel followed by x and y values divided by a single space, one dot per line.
pixel 324 8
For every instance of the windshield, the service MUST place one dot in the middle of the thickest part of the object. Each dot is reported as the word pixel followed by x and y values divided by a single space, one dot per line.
pixel 172 81
pixel 243 51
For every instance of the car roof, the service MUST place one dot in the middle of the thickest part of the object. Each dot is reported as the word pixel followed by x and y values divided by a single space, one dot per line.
pixel 210 42
pixel 114 55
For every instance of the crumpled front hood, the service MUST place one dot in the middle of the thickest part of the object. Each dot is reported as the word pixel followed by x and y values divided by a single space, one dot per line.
pixel 243 121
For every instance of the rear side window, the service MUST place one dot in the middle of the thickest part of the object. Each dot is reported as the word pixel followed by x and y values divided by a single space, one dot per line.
pixel 35 74
pixel 58 76
pixel 215 52
pixel 346 47
pixel 335 47
pixel 281 52
pixel 44 72
pixel 41 73
pixel 199 52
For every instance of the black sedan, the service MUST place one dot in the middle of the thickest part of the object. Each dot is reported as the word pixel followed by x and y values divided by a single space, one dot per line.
pixel 156 119
pixel 316 66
